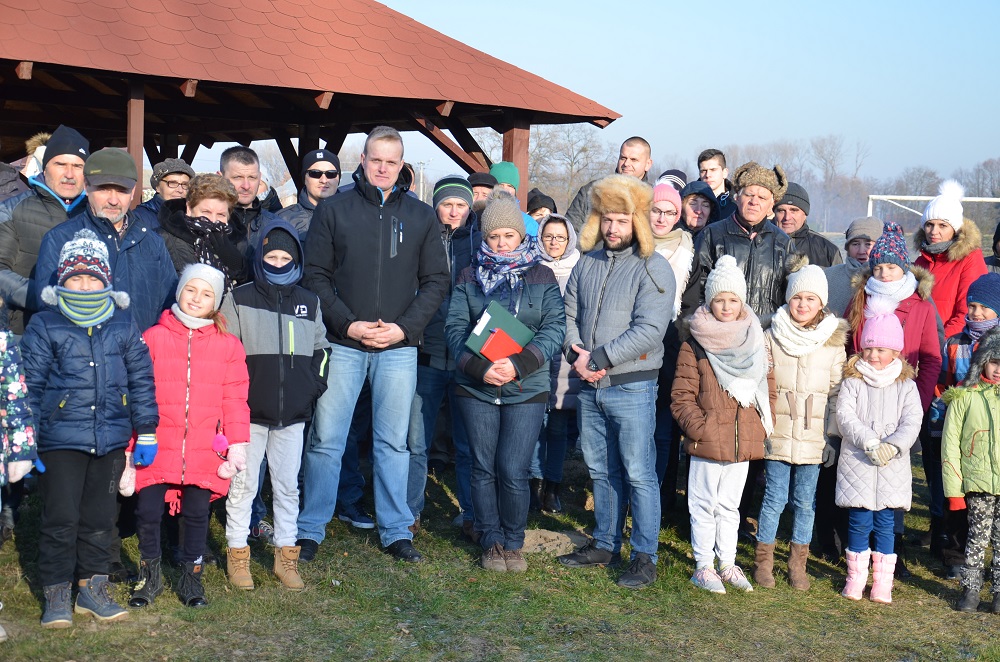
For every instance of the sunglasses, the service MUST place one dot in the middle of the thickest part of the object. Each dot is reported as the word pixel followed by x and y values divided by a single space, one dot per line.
pixel 316 174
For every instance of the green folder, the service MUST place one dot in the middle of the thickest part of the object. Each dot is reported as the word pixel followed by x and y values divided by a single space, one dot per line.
pixel 496 316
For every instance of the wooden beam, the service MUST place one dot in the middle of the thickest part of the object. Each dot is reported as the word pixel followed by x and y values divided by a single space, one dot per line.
pixel 336 135
pixel 292 160
pixel 600 124
pixel 465 138
pixel 189 87
pixel 24 70
pixel 136 116
pixel 444 109
pixel 308 140
pixel 152 151
pixel 323 100
pixel 190 150
pixel 446 144
pixel 515 149
pixel 168 149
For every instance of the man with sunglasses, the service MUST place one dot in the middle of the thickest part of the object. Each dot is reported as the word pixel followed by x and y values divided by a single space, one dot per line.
pixel 169 181
pixel 320 177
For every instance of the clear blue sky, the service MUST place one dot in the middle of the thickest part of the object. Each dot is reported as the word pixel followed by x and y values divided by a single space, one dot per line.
pixel 916 81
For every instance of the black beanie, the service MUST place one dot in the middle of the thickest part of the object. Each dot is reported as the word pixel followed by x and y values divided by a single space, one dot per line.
pixel 65 140
pixel 537 200
pixel 996 238
pixel 279 239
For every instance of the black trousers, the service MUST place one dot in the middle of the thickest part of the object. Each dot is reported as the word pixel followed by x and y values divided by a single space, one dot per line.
pixel 79 498
pixel 149 514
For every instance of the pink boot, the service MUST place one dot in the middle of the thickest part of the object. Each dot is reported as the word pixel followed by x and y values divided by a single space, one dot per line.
pixel 883 567
pixel 857 574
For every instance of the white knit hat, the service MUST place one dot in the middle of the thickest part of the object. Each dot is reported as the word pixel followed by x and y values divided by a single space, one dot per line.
pixel 726 277
pixel 947 206
pixel 215 279
pixel 809 278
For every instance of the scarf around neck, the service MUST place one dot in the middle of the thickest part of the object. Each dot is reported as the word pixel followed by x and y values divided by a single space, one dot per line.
pixel 975 330
pixel 736 351
pixel 883 297
pixel 502 274
pixel 796 340
pixel 879 378
pixel 938 248
pixel 202 229
pixel 189 321
pixel 678 248
pixel 85 308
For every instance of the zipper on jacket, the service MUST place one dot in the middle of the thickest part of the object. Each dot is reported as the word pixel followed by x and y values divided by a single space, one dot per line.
pixel 378 262
pixel 291 341
pixel 737 433
pixel 187 408
pixel 600 303
pixel 281 368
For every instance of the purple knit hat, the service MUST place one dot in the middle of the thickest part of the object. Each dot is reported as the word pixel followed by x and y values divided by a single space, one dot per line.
pixel 882 331
pixel 890 248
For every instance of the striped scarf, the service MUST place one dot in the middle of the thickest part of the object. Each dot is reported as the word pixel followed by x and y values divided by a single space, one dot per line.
pixel 502 274
pixel 86 308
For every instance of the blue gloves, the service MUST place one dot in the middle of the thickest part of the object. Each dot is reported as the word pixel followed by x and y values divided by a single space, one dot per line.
pixel 145 450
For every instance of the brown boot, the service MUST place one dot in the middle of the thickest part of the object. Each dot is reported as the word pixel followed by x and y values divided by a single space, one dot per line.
pixel 286 567
pixel 238 567
pixel 797 575
pixel 763 565
pixel 469 531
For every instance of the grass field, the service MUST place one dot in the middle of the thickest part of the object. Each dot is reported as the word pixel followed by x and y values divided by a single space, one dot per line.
pixel 361 604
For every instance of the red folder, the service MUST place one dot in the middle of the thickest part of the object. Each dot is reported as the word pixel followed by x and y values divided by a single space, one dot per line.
pixel 499 345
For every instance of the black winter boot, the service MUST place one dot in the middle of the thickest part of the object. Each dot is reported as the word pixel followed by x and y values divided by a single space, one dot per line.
pixel 535 490
pixel 550 498
pixel 969 601
pixel 190 590
pixel 901 571
pixel 150 583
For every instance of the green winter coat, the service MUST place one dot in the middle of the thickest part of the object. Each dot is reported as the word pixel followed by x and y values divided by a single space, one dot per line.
pixel 970 445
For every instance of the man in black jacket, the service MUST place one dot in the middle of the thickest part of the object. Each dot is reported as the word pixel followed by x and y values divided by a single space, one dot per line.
pixel 790 215
pixel 320 179
pixel 376 262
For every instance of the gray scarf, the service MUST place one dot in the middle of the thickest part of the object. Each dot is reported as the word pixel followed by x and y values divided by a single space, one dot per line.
pixel 938 248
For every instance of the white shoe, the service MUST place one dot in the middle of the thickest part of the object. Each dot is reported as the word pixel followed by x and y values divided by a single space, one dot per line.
pixel 733 575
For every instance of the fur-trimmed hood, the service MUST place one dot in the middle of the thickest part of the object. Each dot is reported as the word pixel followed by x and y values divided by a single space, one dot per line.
pixel 51 296
pixel 967 239
pixel 839 336
pixel 925 281
pixel 988 348
pixel 850 371
pixel 622 194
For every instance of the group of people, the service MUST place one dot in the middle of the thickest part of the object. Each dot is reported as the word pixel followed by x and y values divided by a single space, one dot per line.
pixel 151 369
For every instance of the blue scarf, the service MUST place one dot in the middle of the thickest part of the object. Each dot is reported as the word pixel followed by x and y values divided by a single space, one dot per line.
pixel 502 274
pixel 975 330
pixel 286 275
pixel 86 309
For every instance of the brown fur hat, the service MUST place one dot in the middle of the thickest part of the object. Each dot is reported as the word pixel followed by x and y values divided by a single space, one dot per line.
pixel 621 194
pixel 36 141
pixel 754 174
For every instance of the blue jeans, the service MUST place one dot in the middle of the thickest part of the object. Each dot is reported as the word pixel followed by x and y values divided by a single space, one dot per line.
pixel 616 437
pixel 393 377
pixel 803 479
pixel 352 481
pixel 860 525
pixel 432 385
pixel 550 453
pixel 502 438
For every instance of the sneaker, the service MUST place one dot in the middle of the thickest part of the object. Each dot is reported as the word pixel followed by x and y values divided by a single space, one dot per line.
pixel 94 598
pixel 514 560
pixel 640 574
pixel 58 614
pixel 404 551
pixel 263 532
pixel 492 559
pixel 588 556
pixel 356 517
pixel 733 575
pixel 708 579
pixel 307 549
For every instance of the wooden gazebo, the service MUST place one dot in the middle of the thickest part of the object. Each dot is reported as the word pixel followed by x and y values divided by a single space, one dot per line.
pixel 154 75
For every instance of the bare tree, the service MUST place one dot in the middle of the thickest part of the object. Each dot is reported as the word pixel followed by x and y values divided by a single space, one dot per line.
pixel 861 153
pixel 827 154
pixel 272 164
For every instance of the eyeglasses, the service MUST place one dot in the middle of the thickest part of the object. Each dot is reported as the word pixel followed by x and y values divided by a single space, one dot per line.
pixel 548 238
pixel 316 174
pixel 174 184
pixel 659 212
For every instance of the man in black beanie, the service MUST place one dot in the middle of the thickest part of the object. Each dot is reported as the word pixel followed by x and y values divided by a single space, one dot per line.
pixel 790 215
pixel 320 179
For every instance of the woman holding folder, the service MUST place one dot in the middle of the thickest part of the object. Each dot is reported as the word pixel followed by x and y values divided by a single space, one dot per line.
pixel 502 372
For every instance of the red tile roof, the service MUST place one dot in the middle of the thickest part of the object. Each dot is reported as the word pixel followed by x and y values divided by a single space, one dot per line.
pixel 342 46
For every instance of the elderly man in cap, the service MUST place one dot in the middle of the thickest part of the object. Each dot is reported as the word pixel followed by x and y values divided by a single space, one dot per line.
pixel 790 215
pixel 320 180
pixel 861 235
pixel 170 181
pixel 54 195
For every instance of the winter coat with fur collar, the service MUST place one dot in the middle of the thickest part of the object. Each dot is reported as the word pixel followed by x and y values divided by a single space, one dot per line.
pixel 807 388
pixel 892 414
pixel 953 270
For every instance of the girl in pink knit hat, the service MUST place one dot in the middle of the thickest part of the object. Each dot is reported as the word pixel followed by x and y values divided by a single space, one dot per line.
pixel 879 416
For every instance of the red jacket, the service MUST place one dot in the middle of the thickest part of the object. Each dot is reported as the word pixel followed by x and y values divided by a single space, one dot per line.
pixel 921 342
pixel 953 271
pixel 214 393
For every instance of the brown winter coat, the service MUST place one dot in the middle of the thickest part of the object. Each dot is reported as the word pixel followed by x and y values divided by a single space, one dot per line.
pixel 715 426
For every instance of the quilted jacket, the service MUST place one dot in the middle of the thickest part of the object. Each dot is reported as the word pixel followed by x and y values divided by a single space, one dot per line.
pixel 892 414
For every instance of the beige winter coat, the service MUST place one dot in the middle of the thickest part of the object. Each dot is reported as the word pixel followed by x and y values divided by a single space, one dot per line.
pixel 806 411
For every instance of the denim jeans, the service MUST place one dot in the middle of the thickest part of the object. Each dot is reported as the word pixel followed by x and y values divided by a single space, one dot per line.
pixel 352 481
pixel 616 436
pixel 550 453
pixel 502 438
pixel 393 376
pixel 432 385
pixel 802 478
pixel 860 525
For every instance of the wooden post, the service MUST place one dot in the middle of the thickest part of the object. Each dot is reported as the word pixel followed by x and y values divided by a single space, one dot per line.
pixel 136 124
pixel 515 149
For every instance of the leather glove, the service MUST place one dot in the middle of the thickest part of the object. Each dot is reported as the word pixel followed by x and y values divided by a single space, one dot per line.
pixel 145 450
pixel 18 470
pixel 829 455
pixel 882 454
pixel 236 461
pixel 126 486
pixel 956 503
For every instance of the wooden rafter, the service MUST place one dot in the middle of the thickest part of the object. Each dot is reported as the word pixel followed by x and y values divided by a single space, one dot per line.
pixel 446 144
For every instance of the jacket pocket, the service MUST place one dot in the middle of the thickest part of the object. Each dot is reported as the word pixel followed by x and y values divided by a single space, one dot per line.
pixel 58 405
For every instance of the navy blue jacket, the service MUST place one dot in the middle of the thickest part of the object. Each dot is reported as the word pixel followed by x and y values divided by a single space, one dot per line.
pixel 89 388
pixel 140 264
pixel 149 211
